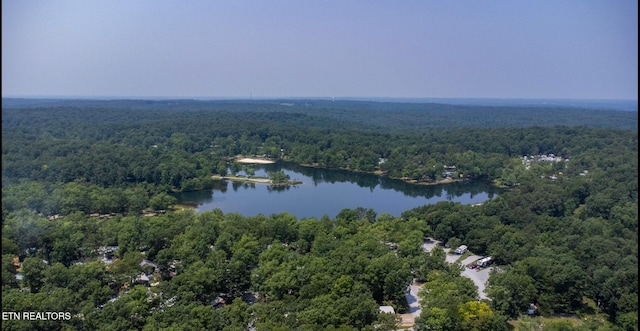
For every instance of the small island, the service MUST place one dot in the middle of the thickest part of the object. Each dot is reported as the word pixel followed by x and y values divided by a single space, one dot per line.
pixel 275 178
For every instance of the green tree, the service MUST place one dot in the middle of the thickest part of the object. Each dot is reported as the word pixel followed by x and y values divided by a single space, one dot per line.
pixel 278 177
pixel 162 201
pixel 9 271
pixel 33 271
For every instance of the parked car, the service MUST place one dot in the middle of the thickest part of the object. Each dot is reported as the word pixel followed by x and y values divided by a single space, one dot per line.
pixel 485 262
pixel 461 250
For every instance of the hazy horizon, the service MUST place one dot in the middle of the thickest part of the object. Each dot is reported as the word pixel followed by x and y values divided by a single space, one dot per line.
pixel 332 49
pixel 346 98
pixel 603 104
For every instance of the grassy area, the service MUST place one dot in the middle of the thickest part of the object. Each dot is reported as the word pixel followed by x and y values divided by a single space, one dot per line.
pixel 252 179
pixel 546 323
pixel 179 206
pixel 464 256
pixel 263 180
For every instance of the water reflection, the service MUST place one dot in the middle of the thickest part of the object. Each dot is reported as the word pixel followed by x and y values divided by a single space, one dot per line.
pixel 278 188
pixel 319 175
pixel 326 192
pixel 240 185
pixel 195 197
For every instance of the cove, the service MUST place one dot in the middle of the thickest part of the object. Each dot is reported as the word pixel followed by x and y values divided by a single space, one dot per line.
pixel 327 192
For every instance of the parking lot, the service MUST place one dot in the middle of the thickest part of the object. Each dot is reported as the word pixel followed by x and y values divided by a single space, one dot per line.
pixel 478 276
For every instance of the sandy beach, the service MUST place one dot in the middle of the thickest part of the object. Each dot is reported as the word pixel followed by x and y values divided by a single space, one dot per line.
pixel 257 161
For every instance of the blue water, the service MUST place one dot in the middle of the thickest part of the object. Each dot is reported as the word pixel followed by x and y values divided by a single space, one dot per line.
pixel 327 192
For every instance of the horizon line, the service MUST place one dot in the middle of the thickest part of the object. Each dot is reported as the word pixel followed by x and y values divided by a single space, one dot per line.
pixel 343 98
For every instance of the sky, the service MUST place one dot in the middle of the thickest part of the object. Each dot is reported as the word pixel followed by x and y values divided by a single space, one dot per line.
pixel 548 49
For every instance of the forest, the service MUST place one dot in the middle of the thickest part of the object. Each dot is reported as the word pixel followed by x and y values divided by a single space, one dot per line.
pixel 89 226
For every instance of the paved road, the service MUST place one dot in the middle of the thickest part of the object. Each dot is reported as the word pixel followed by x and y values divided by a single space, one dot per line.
pixel 414 306
pixel 413 300
pixel 479 278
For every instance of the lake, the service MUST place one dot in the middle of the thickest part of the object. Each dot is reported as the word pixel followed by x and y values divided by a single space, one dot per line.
pixel 327 192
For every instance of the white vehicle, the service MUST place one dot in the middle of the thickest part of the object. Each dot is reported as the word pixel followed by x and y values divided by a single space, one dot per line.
pixel 461 250
pixel 484 262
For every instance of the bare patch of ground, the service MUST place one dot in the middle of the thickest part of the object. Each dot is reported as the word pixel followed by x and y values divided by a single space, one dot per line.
pixel 254 161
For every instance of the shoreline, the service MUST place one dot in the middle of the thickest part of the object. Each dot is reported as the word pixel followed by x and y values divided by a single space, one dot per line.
pixel 254 161
pixel 258 180
pixel 248 160
pixel 380 173
pixel 243 179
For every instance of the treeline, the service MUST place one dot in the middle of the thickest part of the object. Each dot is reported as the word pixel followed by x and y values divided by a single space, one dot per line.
pixel 180 149
pixel 564 234
pixel 374 114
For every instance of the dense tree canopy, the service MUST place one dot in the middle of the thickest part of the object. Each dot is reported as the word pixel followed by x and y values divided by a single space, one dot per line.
pixel 88 225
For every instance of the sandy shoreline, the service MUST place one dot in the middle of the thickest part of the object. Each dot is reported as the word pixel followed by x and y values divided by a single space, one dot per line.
pixel 258 161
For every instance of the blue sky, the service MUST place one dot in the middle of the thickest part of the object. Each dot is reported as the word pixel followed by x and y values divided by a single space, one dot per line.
pixel 332 48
